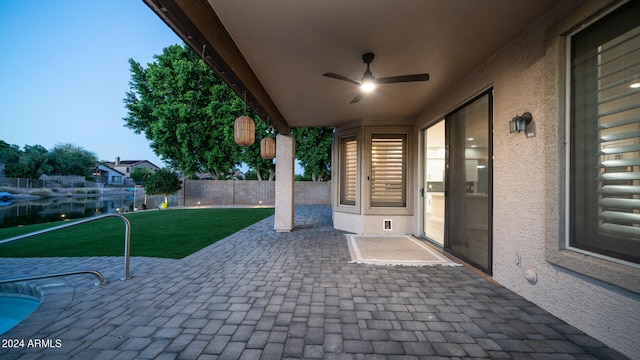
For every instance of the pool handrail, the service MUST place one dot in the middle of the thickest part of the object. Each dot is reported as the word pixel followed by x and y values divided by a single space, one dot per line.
pixel 37 277
pixel 127 236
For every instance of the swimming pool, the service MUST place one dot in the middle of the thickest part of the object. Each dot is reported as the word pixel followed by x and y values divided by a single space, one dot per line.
pixel 17 302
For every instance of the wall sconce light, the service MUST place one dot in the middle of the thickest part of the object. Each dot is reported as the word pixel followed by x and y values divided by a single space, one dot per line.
pixel 520 122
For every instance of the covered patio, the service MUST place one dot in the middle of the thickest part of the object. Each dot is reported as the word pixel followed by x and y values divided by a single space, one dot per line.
pixel 260 294
pixel 442 159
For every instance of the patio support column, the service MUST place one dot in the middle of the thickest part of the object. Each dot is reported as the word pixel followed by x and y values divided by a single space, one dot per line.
pixel 285 160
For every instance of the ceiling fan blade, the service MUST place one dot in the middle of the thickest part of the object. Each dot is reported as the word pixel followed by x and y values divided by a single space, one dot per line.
pixel 340 77
pixel 357 98
pixel 403 78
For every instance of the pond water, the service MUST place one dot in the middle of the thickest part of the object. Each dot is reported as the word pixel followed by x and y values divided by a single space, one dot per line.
pixel 45 210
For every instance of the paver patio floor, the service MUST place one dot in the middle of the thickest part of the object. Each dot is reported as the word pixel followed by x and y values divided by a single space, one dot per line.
pixel 259 294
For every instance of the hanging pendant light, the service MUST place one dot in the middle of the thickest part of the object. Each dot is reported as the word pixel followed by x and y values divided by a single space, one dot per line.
pixel 268 144
pixel 268 148
pixel 244 129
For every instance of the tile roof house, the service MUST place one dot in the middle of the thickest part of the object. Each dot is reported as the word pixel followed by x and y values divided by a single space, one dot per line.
pixel 126 166
pixel 108 176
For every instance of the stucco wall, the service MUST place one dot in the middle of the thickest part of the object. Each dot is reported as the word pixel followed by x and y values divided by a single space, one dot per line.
pixel 527 212
pixel 249 192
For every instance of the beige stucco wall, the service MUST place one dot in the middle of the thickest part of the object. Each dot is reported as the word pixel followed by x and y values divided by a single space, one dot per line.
pixel 528 173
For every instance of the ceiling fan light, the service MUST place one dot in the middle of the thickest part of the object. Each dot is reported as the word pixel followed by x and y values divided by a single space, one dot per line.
pixel 367 85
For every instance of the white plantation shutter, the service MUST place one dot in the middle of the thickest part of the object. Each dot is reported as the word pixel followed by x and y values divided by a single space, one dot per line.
pixel 604 188
pixel 619 136
pixel 348 174
pixel 388 170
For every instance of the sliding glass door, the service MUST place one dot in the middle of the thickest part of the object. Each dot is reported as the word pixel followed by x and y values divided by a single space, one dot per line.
pixel 457 187
pixel 468 185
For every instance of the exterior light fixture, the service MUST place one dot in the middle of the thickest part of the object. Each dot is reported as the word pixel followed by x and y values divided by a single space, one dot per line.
pixel 268 148
pixel 268 144
pixel 244 129
pixel 520 122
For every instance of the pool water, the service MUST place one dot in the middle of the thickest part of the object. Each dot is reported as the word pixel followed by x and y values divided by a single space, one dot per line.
pixel 14 309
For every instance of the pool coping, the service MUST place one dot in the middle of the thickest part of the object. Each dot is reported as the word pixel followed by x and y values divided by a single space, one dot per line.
pixel 55 296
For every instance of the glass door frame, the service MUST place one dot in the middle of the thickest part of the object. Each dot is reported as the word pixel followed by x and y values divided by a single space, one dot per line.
pixel 448 174
pixel 447 178
pixel 433 182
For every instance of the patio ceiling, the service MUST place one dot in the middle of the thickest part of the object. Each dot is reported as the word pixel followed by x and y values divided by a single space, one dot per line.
pixel 276 51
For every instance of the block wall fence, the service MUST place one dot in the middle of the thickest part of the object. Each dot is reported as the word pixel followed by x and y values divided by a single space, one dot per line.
pixel 249 192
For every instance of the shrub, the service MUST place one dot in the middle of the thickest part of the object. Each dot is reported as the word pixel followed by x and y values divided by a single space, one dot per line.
pixel 42 193
pixel 9 190
pixel 87 191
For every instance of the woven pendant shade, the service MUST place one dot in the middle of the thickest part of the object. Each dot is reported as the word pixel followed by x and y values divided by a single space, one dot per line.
pixel 268 148
pixel 244 131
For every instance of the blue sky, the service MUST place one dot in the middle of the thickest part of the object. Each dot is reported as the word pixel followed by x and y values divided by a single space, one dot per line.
pixel 64 72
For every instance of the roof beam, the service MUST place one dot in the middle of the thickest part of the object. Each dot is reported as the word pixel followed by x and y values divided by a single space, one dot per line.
pixel 197 24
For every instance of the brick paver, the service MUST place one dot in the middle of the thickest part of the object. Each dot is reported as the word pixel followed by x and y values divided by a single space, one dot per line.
pixel 259 294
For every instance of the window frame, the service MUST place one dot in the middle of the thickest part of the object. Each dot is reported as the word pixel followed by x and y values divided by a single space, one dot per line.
pixel 348 176
pixel 395 172
pixel 368 207
pixel 570 154
pixel 339 137
pixel 556 111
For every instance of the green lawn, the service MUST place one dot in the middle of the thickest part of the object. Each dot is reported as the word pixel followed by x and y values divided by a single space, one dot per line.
pixel 173 233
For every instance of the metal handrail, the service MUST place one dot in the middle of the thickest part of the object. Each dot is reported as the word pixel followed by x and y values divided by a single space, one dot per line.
pixel 92 272
pixel 127 236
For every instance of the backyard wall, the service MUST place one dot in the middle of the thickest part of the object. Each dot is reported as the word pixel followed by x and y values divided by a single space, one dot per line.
pixel 249 192
pixel 528 212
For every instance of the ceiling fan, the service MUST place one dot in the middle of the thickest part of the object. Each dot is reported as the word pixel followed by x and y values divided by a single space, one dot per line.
pixel 369 82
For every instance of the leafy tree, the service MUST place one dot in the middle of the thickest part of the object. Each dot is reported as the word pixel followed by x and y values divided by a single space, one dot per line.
pixel 5 145
pixel 9 155
pixel 69 159
pixel 162 182
pixel 33 162
pixel 313 151
pixel 140 174
pixel 186 112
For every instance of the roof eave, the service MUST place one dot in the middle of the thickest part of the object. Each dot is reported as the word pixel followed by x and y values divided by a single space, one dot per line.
pixel 197 24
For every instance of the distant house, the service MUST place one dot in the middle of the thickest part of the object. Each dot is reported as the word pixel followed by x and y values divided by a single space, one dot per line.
pixel 126 166
pixel 108 176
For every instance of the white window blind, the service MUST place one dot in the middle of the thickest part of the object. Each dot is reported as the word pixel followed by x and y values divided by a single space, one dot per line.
pixel 604 134
pixel 348 173
pixel 388 170
pixel 619 135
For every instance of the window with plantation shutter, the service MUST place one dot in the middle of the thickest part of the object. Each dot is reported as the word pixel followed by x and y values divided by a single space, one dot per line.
pixel 388 170
pixel 348 172
pixel 604 135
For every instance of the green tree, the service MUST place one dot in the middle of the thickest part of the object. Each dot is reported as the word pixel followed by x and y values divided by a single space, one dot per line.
pixel 140 175
pixel 33 162
pixel 186 112
pixel 162 182
pixel 69 159
pixel 313 151
pixel 9 155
